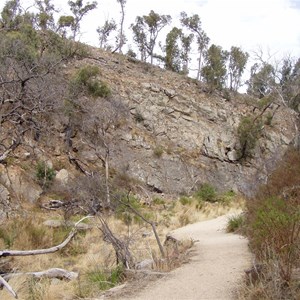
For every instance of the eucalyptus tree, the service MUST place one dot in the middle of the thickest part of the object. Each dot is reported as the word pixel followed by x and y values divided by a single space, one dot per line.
pixel 146 30
pixel 172 48
pixel 105 31
pixel 121 38
pixel 79 10
pixel 237 64
pixel 194 24
pixel 13 16
pixel 177 48
pixel 45 14
pixel 214 71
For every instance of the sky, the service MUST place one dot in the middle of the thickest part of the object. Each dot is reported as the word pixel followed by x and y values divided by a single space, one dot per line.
pixel 249 24
pixel 272 25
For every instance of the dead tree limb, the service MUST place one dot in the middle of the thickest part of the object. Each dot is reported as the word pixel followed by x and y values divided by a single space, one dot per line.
pixel 60 273
pixel 151 223
pixel 121 248
pixel 53 249
pixel 50 273
pixel 8 287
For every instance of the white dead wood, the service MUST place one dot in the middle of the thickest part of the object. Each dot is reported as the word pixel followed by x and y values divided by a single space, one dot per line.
pixel 53 249
pixel 8 287
pixel 51 273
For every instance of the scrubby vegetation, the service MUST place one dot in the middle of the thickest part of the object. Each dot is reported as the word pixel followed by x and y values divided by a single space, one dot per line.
pixel 56 104
pixel 273 228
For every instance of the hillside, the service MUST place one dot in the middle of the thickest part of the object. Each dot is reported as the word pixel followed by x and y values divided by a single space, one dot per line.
pixel 83 130
pixel 160 128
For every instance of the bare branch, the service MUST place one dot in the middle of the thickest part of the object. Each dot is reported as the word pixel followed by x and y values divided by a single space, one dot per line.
pixel 53 249
pixel 8 287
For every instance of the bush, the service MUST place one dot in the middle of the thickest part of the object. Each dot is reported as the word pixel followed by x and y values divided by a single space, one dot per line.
pixel 185 200
pixel 275 234
pixel 24 233
pixel 207 193
pixel 235 223
pixel 124 213
pixel 158 151
pixel 106 279
pixel 273 221
pixel 158 201
pixel 86 79
pixel 44 174
pixel 227 197
pixel 249 131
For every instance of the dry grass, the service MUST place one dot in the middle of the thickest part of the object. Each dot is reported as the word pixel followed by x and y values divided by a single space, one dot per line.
pixel 88 252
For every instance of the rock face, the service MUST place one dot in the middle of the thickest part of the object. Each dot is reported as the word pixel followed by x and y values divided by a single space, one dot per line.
pixel 177 136
pixel 174 136
pixel 13 179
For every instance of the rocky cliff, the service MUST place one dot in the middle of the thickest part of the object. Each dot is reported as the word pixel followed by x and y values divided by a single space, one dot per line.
pixel 161 128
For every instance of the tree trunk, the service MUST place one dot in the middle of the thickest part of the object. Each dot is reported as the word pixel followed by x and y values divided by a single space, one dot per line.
pixel 199 66
pixel 107 178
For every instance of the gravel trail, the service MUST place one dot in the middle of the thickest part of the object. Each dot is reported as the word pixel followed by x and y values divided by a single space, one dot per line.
pixel 215 270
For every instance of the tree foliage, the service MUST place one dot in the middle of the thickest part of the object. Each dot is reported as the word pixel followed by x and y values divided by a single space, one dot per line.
pixel 237 64
pixel 105 31
pixel 79 10
pixel 172 60
pixel 249 131
pixel 45 15
pixel 214 71
pixel 194 24
pixel 178 47
pixel 146 30
pixel 261 81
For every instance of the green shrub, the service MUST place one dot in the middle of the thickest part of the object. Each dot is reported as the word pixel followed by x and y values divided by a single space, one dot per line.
pixel 185 200
pixel 268 119
pixel 106 279
pixel 98 89
pixel 86 79
pixel 158 201
pixel 273 219
pixel 158 151
pixel 249 131
pixel 44 174
pixel 235 223
pixel 207 193
pixel 277 228
pixel 227 197
pixel 124 213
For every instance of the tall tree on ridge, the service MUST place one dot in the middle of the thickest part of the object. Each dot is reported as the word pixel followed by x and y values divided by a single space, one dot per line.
pixel 194 24
pixel 237 63
pixel 146 30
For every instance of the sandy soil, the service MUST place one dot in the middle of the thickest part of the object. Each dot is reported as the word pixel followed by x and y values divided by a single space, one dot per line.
pixel 215 270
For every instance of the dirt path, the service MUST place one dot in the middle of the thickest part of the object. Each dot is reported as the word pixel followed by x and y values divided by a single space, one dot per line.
pixel 213 273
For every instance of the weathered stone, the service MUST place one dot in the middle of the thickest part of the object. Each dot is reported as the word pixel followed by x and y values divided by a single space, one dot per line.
pixel 4 195
pixel 232 155
pixel 89 155
pixel 15 180
pixel 155 88
pixel 170 93
pixel 62 176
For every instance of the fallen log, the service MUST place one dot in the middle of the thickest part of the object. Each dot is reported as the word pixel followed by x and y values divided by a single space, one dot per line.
pixel 4 283
pixel 58 273
pixel 51 272
pixel 53 249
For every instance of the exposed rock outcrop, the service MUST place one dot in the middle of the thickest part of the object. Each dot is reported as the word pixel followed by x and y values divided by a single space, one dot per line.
pixel 172 136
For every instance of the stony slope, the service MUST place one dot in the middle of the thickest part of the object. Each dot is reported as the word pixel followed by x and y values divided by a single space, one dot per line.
pixel 172 135
pixel 196 131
